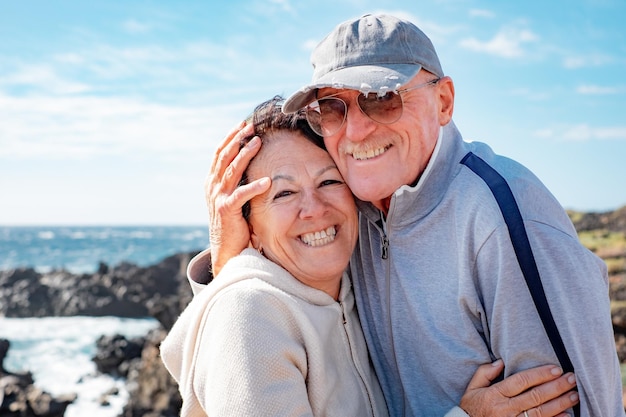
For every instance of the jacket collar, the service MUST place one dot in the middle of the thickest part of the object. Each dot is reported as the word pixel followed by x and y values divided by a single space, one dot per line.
pixel 409 203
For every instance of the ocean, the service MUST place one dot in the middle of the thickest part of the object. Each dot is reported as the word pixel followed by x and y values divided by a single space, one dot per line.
pixel 58 350
pixel 81 249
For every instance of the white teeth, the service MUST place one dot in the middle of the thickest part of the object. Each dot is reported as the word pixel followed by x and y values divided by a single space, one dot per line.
pixel 361 155
pixel 319 238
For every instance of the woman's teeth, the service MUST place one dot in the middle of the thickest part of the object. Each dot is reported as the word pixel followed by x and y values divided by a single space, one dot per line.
pixel 319 238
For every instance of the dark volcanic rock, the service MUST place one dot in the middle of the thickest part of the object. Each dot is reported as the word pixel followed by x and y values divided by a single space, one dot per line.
pixel 127 290
pixel 114 353
pixel 152 390
pixel 20 398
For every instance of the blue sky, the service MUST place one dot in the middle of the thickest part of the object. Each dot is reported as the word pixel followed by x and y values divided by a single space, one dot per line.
pixel 110 111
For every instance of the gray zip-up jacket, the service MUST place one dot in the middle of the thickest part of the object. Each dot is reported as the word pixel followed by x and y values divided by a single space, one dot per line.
pixel 439 289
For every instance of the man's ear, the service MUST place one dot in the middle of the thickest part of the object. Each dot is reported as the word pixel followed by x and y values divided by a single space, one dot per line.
pixel 446 100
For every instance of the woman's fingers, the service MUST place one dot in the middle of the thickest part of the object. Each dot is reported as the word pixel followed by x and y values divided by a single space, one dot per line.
pixel 230 161
pixel 247 192
pixel 229 147
pixel 229 233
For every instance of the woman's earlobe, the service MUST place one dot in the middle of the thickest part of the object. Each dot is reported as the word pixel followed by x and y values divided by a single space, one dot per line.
pixel 254 240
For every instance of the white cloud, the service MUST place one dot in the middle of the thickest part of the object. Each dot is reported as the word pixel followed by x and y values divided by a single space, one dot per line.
pixel 482 13
pixel 507 43
pixel 173 73
pixel 310 44
pixel 40 77
pixel 177 102
pixel 133 26
pixel 589 89
pixel 582 133
pixel 285 5
pixel 84 127
pixel 585 61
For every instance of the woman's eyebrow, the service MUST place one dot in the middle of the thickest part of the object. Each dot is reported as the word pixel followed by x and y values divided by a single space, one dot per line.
pixel 328 168
pixel 291 178
pixel 282 177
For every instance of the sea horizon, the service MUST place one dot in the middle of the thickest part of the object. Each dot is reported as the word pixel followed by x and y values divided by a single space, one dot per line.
pixel 81 248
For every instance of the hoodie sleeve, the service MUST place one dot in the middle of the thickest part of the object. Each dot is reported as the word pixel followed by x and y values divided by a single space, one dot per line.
pixel 199 272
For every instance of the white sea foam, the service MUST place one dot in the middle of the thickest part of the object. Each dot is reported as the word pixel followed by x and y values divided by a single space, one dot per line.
pixel 58 351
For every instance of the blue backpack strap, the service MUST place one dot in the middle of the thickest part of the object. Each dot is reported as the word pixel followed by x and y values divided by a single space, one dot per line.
pixel 513 219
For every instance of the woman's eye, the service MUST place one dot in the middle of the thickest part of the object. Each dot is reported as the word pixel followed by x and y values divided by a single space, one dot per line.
pixel 330 182
pixel 282 194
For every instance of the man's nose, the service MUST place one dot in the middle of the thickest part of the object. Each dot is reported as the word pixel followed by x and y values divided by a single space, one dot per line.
pixel 357 125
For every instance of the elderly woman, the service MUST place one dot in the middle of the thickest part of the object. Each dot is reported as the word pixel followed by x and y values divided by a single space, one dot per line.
pixel 277 332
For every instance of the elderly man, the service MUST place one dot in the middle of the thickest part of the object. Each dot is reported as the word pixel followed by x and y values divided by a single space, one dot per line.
pixel 438 284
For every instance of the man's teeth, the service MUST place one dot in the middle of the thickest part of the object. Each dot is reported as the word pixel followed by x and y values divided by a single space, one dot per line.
pixel 367 154
pixel 319 238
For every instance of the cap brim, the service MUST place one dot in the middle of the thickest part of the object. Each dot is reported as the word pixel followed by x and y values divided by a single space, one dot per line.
pixel 366 78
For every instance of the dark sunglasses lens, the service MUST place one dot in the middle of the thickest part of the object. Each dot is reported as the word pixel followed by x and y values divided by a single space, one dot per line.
pixel 326 116
pixel 382 109
pixel 314 118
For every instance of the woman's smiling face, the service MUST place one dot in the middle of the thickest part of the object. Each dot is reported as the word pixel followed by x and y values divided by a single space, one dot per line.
pixel 307 222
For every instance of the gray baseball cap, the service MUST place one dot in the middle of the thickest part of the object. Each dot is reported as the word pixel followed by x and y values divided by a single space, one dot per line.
pixel 374 53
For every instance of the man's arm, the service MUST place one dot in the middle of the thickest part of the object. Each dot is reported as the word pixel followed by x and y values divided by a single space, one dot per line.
pixel 576 286
pixel 543 391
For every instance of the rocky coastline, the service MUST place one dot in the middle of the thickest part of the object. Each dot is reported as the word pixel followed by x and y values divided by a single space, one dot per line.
pixel 161 291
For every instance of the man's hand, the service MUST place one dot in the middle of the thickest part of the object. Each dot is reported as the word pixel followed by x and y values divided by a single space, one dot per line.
pixel 229 233
pixel 540 392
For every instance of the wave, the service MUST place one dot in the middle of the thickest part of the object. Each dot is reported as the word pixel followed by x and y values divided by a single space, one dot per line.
pixel 58 352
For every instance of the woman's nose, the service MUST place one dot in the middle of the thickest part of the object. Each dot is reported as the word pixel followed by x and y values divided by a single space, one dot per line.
pixel 313 205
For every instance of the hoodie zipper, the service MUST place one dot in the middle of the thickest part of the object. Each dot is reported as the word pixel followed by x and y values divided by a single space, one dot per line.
pixel 355 361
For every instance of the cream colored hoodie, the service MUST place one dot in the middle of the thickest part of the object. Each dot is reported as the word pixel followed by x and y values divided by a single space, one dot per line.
pixel 257 342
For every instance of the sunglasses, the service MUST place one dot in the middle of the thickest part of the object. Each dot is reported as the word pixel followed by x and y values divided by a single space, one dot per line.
pixel 327 115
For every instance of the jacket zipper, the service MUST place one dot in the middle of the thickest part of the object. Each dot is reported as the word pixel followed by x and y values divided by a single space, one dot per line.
pixel 385 246
pixel 382 224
